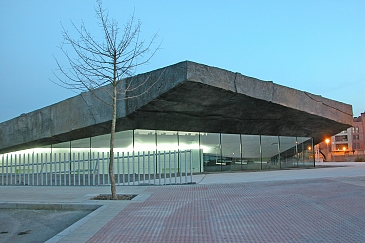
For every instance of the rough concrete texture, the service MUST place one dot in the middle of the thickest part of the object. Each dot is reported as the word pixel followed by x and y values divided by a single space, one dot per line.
pixel 188 97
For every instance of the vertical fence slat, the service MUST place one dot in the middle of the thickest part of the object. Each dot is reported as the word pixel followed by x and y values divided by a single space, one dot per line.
pixel 36 170
pixel 164 166
pixel 180 166
pixel 89 167
pixel 123 169
pixel 45 169
pixel 176 156
pixel 108 157
pixel 191 166
pixel 10 182
pixel 158 164
pixel 28 166
pixel 128 171
pixel 33 169
pixel 138 173
pixel 16 172
pixel 41 172
pixel 170 166
pixel 101 168
pixel 72 169
pixel 11 168
pixel 133 163
pixel 2 169
pixel 149 168
pixel 55 168
pixel 97 169
pixel 83 169
pixel 154 159
pixel 143 166
pixel 50 166
pixel 7 170
pixel 59 169
pixel 23 165
pixel 78 168
pixel 91 171
pixel 186 169
pixel 118 169
pixel 64 169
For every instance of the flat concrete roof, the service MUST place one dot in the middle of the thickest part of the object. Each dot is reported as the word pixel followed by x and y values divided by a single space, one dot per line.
pixel 186 96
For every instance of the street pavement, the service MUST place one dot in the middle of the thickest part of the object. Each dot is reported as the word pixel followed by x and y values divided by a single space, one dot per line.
pixel 322 204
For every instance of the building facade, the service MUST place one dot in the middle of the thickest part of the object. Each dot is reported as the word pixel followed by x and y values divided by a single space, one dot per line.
pixel 358 134
pixel 186 118
pixel 348 145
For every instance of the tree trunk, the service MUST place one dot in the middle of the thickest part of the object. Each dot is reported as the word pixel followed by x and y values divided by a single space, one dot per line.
pixel 112 134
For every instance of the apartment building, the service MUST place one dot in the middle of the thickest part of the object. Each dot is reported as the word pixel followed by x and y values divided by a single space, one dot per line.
pixel 350 142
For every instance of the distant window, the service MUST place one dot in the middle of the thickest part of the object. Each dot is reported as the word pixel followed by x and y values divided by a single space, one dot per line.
pixel 356 137
pixel 354 147
pixel 342 138
pixel 342 147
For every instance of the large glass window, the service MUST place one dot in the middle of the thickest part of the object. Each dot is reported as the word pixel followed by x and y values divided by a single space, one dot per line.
pixel 231 152
pixel 145 150
pixel 167 156
pixel 124 141
pixel 145 140
pixel 305 152
pixel 270 148
pixel 81 145
pixel 189 141
pixel 211 146
pixel 152 154
pixel 167 141
pixel 100 143
pixel 288 155
pixel 61 147
pixel 251 153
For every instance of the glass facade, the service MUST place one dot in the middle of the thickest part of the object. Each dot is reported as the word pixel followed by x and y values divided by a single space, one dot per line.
pixel 210 152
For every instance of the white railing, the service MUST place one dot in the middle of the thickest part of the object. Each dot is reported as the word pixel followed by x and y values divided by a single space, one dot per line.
pixel 92 168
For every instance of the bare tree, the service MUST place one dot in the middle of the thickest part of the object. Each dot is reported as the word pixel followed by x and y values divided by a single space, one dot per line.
pixel 97 64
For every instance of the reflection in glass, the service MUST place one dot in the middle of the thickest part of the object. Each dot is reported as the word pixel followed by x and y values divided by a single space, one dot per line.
pixel 210 143
pixel 251 153
pixel 288 155
pixel 270 148
pixel 305 152
pixel 145 140
pixel 231 152
pixel 167 141
pixel 189 141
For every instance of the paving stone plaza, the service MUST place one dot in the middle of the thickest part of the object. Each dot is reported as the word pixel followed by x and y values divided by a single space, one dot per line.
pixel 322 204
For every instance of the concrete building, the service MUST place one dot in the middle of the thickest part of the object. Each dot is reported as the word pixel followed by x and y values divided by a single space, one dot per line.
pixel 184 118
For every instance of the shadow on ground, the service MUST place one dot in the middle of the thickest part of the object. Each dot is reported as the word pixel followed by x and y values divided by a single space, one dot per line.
pixel 22 225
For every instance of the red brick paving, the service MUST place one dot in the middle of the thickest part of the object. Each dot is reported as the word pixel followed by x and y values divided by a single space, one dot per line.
pixel 320 210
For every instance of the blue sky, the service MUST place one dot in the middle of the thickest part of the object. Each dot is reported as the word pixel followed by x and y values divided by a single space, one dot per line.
pixel 315 46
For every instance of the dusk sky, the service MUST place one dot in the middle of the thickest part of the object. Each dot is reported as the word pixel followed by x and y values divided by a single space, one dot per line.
pixel 316 46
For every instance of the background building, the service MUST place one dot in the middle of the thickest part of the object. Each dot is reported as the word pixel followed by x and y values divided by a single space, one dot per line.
pixel 348 145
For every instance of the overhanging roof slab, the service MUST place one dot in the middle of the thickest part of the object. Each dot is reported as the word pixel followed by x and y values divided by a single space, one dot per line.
pixel 187 97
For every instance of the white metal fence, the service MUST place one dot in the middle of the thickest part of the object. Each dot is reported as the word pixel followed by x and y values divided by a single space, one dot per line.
pixel 91 168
